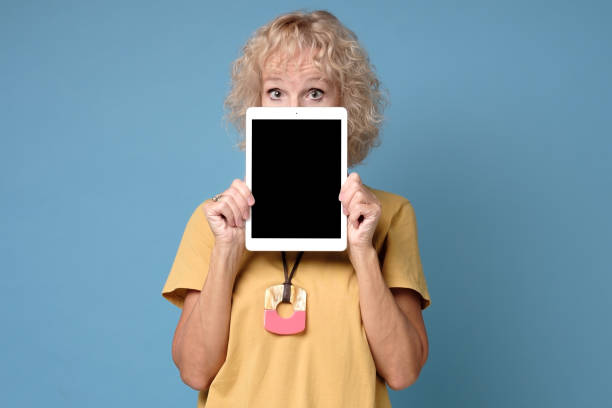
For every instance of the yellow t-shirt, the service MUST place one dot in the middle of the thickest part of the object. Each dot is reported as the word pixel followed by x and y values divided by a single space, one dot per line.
pixel 329 364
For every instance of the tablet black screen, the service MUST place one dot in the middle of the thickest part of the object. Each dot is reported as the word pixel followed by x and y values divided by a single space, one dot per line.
pixel 296 178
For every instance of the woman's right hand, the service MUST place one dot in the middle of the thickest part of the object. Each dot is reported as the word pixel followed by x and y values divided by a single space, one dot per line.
pixel 227 216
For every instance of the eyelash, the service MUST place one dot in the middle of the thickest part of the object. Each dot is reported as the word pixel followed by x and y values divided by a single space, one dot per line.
pixel 309 91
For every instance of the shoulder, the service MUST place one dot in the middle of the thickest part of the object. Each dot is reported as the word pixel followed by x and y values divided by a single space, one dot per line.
pixel 392 204
pixel 387 196
pixel 396 213
pixel 197 223
pixel 198 211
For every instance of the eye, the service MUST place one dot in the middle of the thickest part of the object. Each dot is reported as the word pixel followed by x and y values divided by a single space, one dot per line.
pixel 316 93
pixel 274 93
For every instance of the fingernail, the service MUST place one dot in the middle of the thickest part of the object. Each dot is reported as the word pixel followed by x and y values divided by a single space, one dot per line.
pixel 251 200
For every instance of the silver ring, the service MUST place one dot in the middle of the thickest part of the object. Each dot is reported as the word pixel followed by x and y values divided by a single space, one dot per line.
pixel 217 197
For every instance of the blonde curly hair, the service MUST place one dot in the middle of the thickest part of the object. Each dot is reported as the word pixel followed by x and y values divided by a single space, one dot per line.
pixel 337 53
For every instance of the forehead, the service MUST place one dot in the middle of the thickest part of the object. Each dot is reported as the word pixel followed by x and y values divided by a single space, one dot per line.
pixel 280 63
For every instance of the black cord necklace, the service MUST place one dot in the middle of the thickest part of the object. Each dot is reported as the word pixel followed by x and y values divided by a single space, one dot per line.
pixel 285 293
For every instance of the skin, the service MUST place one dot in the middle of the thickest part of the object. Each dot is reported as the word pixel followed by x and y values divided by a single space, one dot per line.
pixel 391 317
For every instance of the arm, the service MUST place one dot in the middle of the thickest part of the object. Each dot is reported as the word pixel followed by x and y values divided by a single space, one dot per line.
pixel 392 320
pixel 199 346
pixel 393 323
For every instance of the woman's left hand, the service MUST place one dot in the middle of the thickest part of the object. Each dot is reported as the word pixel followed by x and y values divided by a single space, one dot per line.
pixel 363 210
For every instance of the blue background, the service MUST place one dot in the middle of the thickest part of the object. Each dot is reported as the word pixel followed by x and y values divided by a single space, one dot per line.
pixel 498 132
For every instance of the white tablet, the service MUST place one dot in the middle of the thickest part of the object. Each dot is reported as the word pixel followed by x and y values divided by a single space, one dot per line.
pixel 296 163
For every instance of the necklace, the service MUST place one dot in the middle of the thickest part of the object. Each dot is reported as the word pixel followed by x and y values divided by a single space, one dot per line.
pixel 285 293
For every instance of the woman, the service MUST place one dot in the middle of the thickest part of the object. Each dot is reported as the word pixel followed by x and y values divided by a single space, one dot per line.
pixel 364 324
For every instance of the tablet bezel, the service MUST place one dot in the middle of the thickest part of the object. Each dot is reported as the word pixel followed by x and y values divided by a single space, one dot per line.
pixel 297 244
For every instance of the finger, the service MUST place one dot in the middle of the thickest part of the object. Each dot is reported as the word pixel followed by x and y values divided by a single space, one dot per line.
pixel 230 209
pixel 352 181
pixel 355 213
pixel 235 209
pixel 365 209
pixel 347 183
pixel 243 206
pixel 361 209
pixel 244 191
pixel 222 209
pixel 349 195
pixel 363 197
pixel 355 176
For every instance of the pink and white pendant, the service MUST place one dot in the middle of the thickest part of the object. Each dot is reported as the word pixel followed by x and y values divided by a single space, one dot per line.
pixel 279 325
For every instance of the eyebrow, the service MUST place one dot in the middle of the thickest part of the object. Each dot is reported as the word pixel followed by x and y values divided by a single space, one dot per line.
pixel 308 80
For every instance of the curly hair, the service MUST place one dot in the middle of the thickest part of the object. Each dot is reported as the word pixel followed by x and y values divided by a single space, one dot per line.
pixel 337 53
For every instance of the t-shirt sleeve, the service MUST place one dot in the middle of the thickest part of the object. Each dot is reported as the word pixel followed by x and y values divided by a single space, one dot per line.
pixel 400 259
pixel 190 265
